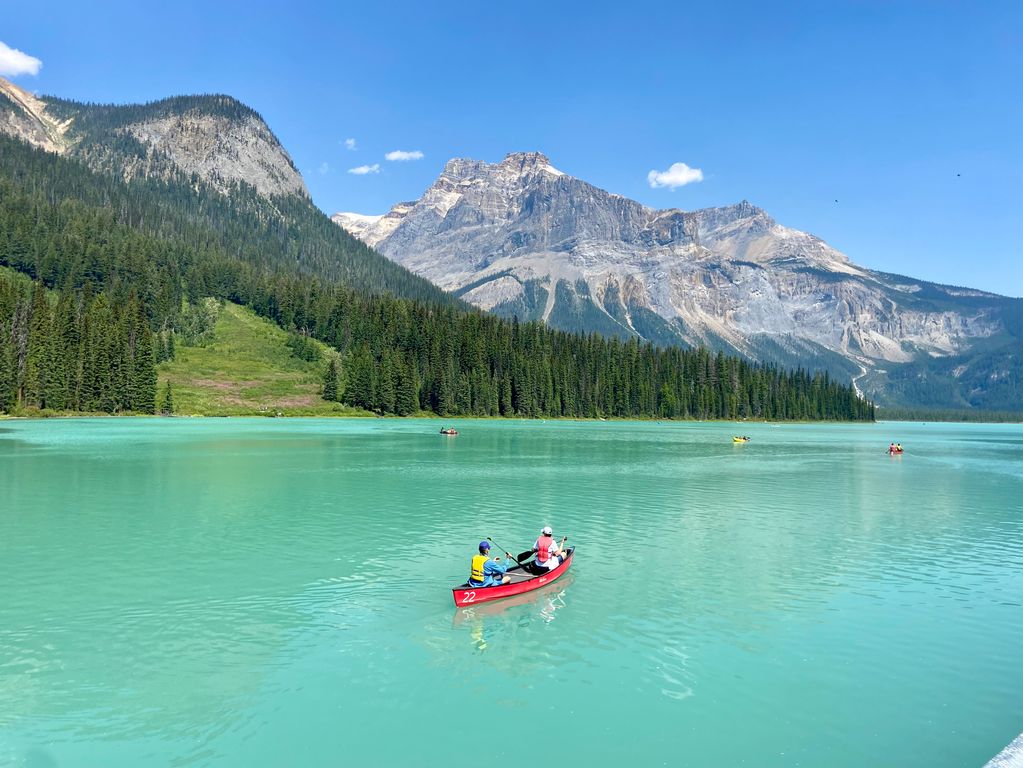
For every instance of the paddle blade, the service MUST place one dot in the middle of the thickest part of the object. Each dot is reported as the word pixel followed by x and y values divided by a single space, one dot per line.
pixel 523 556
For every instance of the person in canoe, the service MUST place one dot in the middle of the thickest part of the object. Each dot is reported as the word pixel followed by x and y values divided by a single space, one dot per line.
pixel 486 572
pixel 548 554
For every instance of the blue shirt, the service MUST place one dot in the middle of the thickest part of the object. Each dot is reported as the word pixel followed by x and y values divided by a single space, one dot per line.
pixel 492 573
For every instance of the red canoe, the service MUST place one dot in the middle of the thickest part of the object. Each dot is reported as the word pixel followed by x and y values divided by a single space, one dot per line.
pixel 521 581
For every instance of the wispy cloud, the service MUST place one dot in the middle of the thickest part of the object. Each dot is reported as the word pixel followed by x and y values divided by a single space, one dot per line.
pixel 678 175
pixel 362 170
pixel 324 168
pixel 13 62
pixel 401 155
pixel 350 145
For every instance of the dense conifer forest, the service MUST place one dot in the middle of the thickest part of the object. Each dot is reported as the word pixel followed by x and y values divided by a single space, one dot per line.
pixel 116 271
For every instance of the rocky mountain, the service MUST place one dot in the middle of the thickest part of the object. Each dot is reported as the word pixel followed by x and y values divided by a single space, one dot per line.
pixel 522 238
pixel 213 138
pixel 203 171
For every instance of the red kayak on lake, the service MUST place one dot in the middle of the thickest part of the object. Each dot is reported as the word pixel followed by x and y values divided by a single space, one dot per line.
pixel 522 580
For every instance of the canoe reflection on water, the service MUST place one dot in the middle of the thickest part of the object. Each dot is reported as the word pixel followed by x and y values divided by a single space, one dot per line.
pixel 486 620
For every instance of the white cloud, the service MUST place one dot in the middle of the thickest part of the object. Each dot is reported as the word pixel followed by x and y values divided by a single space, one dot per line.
pixel 362 170
pixel 678 175
pixel 324 168
pixel 13 62
pixel 401 155
pixel 350 145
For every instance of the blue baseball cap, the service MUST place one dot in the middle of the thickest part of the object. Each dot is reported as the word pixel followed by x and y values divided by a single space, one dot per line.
pixel 484 545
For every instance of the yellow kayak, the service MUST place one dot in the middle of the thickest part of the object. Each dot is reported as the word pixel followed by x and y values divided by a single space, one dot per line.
pixel 736 439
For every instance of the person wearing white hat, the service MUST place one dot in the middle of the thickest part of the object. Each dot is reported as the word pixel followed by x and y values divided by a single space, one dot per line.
pixel 548 554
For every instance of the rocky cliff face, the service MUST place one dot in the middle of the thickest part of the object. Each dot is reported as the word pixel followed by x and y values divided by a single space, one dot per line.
pixel 213 137
pixel 222 151
pixel 521 237
pixel 24 116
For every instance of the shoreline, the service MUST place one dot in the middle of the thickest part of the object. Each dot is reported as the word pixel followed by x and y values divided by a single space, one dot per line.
pixel 430 415
pixel 433 416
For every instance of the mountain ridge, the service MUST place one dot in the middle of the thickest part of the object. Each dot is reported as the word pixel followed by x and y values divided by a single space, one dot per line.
pixel 521 238
pixel 214 137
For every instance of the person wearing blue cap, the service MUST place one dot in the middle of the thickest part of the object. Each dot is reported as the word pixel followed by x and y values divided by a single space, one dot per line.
pixel 486 572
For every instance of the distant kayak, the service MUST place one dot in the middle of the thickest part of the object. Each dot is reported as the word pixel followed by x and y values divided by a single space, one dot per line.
pixel 737 439
pixel 521 581
pixel 449 431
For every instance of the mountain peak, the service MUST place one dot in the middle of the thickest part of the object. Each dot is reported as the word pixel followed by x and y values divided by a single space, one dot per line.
pixel 525 159
pixel 514 163
pixel 214 137
pixel 528 162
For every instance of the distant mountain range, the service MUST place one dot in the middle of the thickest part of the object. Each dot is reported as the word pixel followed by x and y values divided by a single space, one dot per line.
pixel 521 238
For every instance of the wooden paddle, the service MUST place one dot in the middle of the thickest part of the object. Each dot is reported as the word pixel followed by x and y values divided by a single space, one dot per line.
pixel 516 559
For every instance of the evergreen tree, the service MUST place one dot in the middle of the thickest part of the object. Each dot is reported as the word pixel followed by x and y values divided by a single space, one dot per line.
pixel 406 396
pixel 167 401
pixel 37 358
pixel 7 377
pixel 330 380
pixel 143 376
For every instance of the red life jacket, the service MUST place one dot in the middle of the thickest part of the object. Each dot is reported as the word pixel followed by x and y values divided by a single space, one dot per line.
pixel 544 545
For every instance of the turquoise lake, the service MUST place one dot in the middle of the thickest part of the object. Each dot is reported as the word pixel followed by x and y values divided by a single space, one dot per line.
pixel 264 592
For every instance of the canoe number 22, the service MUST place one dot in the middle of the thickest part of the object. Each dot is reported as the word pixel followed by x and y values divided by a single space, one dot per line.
pixel 469 597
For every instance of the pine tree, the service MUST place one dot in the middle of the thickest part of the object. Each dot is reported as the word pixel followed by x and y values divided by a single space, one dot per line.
pixel 360 390
pixel 406 397
pixel 138 360
pixel 143 379
pixel 62 356
pixel 7 379
pixel 386 386
pixel 37 358
pixel 330 380
pixel 167 401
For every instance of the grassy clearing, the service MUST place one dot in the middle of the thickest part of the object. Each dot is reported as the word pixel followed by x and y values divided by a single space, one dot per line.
pixel 248 370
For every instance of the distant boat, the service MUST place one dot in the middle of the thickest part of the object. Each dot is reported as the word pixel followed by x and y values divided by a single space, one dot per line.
pixel 737 439
pixel 449 431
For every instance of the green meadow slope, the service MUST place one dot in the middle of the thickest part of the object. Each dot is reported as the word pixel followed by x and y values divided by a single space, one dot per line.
pixel 248 369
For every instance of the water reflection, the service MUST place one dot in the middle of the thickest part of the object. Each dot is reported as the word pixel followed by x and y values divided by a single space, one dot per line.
pixel 488 620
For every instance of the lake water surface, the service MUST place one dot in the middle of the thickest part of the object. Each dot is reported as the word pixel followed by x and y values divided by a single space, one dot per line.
pixel 277 593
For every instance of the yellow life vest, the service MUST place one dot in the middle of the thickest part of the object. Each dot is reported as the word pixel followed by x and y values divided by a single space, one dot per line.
pixel 477 567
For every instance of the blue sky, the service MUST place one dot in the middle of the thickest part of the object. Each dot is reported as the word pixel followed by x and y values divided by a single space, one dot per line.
pixel 910 115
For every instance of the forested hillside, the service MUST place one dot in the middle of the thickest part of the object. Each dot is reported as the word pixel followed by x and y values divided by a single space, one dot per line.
pixel 81 352
pixel 125 258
